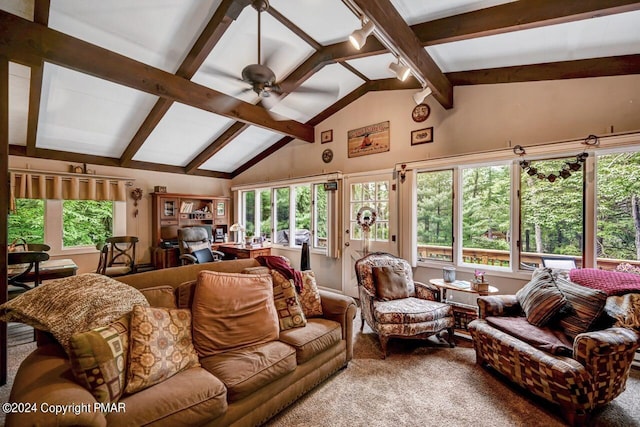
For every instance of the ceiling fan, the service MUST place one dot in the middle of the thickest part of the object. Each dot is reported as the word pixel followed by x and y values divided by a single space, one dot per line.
pixel 261 78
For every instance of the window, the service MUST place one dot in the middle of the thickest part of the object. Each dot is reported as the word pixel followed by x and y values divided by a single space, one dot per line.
pixel 303 214
pixel 249 208
pixel 486 215
pixel 86 222
pixel 618 209
pixel 282 215
pixel 551 212
pixel 321 215
pixel 373 195
pixel 435 215
pixel 27 222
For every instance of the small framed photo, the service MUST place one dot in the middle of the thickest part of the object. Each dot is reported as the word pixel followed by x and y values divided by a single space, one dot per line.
pixel 326 136
pixel 422 136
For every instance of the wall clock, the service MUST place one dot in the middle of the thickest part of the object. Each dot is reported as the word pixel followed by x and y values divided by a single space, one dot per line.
pixel 420 113
pixel 327 155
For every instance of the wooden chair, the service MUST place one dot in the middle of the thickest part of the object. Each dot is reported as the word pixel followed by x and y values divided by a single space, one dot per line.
pixel 21 245
pixel 22 264
pixel 117 256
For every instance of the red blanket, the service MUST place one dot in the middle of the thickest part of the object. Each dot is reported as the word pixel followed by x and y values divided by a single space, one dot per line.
pixel 611 282
pixel 279 264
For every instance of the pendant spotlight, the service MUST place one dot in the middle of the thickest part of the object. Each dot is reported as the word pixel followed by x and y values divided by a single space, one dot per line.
pixel 359 37
pixel 401 71
pixel 419 97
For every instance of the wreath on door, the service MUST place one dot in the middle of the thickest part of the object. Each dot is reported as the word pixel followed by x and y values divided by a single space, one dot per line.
pixel 366 217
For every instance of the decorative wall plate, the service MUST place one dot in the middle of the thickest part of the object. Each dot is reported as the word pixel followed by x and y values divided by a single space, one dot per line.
pixel 420 113
pixel 327 155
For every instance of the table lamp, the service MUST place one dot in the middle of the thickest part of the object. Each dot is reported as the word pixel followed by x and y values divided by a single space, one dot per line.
pixel 238 229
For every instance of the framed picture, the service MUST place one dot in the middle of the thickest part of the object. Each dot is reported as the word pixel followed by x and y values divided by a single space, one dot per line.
pixel 368 140
pixel 422 136
pixel 326 136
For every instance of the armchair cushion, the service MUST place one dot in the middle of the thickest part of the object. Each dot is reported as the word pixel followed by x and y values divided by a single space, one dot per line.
pixel 584 306
pixel 390 282
pixel 541 299
pixel 410 310
pixel 546 339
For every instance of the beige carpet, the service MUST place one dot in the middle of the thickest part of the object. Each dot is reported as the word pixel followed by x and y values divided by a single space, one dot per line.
pixel 424 384
pixel 418 384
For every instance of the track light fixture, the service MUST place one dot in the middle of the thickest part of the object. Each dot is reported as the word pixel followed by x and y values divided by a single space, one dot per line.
pixel 420 96
pixel 359 37
pixel 401 71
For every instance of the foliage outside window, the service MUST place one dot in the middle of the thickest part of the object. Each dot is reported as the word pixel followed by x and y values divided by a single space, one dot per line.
pixel 485 214
pixel 618 207
pixel 435 215
pixel 282 215
pixel 551 213
pixel 374 195
pixel 27 222
pixel 321 216
pixel 86 222
pixel 303 214
pixel 249 207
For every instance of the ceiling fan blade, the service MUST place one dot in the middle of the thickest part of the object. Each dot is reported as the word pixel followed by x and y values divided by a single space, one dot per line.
pixel 270 101
pixel 216 72
pixel 329 92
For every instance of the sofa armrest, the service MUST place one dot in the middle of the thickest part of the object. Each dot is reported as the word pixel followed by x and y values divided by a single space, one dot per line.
pixel 427 291
pixel 44 379
pixel 342 309
pixel 498 305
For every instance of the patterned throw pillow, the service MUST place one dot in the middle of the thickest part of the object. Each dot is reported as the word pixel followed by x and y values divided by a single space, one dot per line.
pixel 541 299
pixel 585 306
pixel 310 296
pixel 160 346
pixel 285 297
pixel 390 282
pixel 99 359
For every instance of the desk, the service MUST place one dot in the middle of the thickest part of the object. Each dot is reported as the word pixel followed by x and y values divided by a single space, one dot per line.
pixel 50 269
pixel 242 251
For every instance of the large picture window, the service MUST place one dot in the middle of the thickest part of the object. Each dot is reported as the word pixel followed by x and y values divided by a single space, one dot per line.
pixel 435 215
pixel 86 222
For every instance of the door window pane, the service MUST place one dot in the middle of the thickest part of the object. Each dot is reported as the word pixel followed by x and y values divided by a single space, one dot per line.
pixel 374 195
pixel 486 215
pixel 551 212
pixel 435 215
pixel 618 209
pixel 86 222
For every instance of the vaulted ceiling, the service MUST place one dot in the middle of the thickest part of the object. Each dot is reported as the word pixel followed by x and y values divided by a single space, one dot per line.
pixel 156 84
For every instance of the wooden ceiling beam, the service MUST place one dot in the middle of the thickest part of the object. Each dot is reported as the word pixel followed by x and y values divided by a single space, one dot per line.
pixel 515 16
pixel 393 27
pixel 583 68
pixel 40 16
pixel 229 135
pixel 30 42
pixel 225 14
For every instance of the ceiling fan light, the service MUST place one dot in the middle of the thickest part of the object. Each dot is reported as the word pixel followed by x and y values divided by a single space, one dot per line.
pixel 401 71
pixel 359 37
pixel 419 97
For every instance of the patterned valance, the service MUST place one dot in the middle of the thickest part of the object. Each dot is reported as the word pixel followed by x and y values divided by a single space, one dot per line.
pixel 31 184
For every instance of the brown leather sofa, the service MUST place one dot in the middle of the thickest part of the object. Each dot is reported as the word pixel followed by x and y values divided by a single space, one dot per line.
pixel 194 396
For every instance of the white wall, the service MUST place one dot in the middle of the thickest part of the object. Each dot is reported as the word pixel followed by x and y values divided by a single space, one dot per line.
pixel 484 118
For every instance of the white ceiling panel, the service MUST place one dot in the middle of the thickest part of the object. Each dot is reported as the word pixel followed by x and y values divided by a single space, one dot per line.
pixel 84 114
pixel 282 51
pixel 186 127
pixel 19 77
pixel 247 145
pixel 303 106
pixel 22 8
pixel 156 32
pixel 604 36
pixel 374 67
pixel 415 12
pixel 326 22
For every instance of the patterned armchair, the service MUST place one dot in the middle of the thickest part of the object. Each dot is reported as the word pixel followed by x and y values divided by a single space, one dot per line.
pixel 417 314
pixel 592 376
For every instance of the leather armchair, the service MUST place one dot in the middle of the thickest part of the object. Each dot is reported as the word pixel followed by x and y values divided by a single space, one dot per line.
pixel 195 247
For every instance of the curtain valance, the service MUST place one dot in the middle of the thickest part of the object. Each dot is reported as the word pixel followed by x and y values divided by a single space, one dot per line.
pixel 32 184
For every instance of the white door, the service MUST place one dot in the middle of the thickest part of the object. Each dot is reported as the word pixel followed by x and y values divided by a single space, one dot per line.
pixel 368 200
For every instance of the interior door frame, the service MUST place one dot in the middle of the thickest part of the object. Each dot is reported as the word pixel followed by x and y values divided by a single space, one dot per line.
pixel 352 249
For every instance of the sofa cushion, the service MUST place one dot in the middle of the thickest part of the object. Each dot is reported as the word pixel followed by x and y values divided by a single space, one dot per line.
pixel 313 339
pixel 584 306
pixel 390 282
pixel 310 295
pixel 184 294
pixel 541 299
pixel 74 304
pixel 99 359
pixel 245 370
pixel 285 297
pixel 232 310
pixel 160 296
pixel 192 397
pixel 256 270
pixel 545 339
pixel 410 310
pixel 160 346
